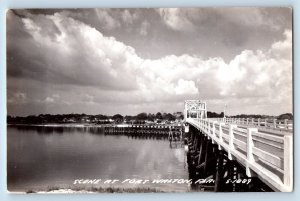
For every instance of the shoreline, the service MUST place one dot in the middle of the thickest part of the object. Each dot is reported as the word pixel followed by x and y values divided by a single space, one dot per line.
pixel 56 190
pixel 87 125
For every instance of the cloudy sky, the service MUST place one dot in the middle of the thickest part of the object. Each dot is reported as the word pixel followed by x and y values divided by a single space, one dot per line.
pixel 148 60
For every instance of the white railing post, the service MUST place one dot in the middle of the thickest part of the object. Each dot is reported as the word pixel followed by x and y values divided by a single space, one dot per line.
pixel 231 137
pixel 258 122
pixel 252 121
pixel 247 121
pixel 221 134
pixel 274 123
pixel 288 162
pixel 213 131
pixel 208 127
pixel 250 145
pixel 186 128
pixel 286 124
pixel 266 122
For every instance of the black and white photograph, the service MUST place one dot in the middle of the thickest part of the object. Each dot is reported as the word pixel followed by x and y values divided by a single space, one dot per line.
pixel 144 100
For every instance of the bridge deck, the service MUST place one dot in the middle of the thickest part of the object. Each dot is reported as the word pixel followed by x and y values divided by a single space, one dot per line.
pixel 265 152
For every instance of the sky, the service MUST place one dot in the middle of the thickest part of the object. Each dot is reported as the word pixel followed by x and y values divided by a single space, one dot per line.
pixel 127 61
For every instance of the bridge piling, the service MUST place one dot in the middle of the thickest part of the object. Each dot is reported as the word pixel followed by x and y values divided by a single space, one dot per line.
pixel 219 176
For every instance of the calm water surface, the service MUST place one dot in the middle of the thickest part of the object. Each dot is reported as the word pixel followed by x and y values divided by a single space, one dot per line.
pixel 41 158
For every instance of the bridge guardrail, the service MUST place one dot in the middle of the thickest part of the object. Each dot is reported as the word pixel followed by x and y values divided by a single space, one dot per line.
pixel 277 124
pixel 268 156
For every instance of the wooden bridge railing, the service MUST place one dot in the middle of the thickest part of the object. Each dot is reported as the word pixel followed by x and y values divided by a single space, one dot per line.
pixel 278 124
pixel 270 157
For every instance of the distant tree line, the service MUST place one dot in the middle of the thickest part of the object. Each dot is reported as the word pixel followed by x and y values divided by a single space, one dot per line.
pixel 118 118
pixel 288 116
pixel 215 115
pixel 78 118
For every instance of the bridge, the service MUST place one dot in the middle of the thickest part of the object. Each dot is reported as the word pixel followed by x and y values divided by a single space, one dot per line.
pixel 239 154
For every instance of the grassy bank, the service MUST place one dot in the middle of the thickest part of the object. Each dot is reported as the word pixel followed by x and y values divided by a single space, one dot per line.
pixel 95 190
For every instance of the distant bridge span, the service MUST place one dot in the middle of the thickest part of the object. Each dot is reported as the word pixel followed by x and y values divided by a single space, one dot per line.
pixel 263 147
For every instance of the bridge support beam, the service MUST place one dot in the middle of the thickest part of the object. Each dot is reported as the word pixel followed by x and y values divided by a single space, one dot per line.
pixel 219 172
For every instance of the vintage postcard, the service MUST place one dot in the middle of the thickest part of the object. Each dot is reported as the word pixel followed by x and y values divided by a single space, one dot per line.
pixel 150 100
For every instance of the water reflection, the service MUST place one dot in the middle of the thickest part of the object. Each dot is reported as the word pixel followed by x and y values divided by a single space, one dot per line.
pixel 40 157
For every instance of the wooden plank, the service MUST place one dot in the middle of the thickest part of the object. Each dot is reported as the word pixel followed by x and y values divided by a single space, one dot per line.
pixel 275 160
pixel 270 137
pixel 242 145
pixel 241 130
pixel 243 134
pixel 269 148
pixel 225 136
pixel 272 166
pixel 272 143
pixel 288 161
pixel 225 130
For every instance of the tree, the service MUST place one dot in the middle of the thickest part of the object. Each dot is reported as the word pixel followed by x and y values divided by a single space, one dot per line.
pixel 169 117
pixel 102 117
pixel 141 116
pixel 151 117
pixel 118 118
pixel 221 115
pixel 215 115
pixel 158 116
pixel 288 116
pixel 128 118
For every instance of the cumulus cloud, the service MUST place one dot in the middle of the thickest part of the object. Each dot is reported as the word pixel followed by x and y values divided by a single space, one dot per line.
pixel 84 67
pixel 128 17
pixel 106 19
pixel 176 18
pixel 187 19
pixel 186 87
